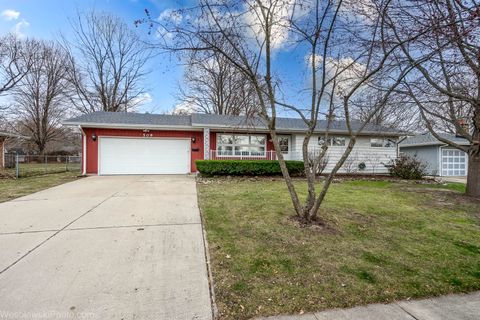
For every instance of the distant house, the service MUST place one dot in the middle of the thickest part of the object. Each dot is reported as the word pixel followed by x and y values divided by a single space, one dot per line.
pixel 3 137
pixel 134 143
pixel 441 159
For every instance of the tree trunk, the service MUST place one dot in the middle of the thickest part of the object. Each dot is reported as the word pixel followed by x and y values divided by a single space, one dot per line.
pixel 473 179
pixel 286 175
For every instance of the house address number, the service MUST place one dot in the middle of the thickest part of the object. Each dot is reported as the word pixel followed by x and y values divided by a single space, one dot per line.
pixel 148 135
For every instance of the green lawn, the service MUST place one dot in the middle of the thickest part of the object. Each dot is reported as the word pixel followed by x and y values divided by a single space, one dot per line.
pixel 14 188
pixel 34 169
pixel 385 241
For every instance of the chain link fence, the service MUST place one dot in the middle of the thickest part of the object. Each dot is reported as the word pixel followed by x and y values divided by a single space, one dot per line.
pixel 19 166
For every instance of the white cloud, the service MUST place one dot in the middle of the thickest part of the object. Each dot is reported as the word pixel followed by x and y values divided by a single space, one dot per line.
pixel 10 14
pixel 141 99
pixel 345 71
pixel 280 25
pixel 363 11
pixel 184 108
pixel 19 28
pixel 171 15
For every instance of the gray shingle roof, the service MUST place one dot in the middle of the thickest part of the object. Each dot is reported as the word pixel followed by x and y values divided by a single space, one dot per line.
pixel 130 118
pixel 427 139
pixel 287 124
pixel 213 121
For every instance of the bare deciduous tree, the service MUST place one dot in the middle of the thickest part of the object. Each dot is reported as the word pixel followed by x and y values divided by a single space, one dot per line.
pixel 212 85
pixel 446 83
pixel 15 61
pixel 16 58
pixel 40 99
pixel 344 56
pixel 110 64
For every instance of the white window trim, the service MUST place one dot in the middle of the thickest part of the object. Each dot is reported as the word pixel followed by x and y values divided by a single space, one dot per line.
pixel 384 140
pixel 233 145
pixel 330 140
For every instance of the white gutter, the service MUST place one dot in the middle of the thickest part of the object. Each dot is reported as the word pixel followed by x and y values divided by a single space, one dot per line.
pixel 198 127
pixel 296 131
pixel 128 126
pixel 426 144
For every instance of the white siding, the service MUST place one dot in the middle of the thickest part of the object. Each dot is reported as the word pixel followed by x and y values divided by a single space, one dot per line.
pixel 362 152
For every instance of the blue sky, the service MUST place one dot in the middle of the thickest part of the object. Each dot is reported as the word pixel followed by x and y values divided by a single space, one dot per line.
pixel 47 19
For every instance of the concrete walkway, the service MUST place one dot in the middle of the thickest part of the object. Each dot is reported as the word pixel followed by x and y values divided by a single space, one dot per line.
pixel 455 179
pixel 125 247
pixel 451 307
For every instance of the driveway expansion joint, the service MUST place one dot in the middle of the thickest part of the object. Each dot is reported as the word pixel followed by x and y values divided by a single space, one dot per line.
pixel 102 227
pixel 406 311
pixel 56 233
pixel 27 232
pixel 133 226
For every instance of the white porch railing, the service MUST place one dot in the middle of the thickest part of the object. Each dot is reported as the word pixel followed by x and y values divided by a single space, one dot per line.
pixel 223 155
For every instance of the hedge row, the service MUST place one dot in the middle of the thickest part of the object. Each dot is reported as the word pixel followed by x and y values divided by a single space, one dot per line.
pixel 247 167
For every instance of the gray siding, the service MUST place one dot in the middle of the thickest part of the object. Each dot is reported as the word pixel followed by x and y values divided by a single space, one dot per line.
pixel 426 154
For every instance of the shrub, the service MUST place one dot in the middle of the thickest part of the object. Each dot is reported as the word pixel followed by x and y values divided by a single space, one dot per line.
pixel 362 166
pixel 247 167
pixel 407 167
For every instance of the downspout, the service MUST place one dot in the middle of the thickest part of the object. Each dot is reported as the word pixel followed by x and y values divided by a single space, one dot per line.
pixel 398 144
pixel 84 151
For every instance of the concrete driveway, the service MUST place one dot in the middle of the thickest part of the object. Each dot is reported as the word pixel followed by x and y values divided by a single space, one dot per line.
pixel 455 179
pixel 114 247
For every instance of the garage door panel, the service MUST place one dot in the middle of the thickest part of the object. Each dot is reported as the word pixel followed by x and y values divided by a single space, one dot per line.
pixel 144 156
pixel 454 162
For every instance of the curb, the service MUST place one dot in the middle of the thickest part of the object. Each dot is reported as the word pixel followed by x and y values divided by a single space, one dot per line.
pixel 209 268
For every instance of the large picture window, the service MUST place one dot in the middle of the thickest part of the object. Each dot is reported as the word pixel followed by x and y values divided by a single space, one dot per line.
pixel 382 143
pixel 241 145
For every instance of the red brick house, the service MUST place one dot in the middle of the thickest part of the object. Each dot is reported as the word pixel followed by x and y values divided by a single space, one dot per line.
pixel 134 143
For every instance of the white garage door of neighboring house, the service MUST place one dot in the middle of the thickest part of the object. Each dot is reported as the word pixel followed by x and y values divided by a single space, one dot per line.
pixel 454 162
pixel 143 156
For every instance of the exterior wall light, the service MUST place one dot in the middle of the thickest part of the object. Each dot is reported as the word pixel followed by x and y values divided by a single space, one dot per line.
pixel 94 137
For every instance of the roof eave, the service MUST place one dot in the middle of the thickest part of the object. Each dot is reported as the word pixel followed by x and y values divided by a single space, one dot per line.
pixel 128 126
pixel 427 144
pixel 198 127
pixel 298 131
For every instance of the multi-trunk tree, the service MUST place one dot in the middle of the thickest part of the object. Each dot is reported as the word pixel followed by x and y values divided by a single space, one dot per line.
pixel 343 54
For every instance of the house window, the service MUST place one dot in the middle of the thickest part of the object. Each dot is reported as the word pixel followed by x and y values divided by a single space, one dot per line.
pixel 283 142
pixel 333 141
pixel 241 145
pixel 382 143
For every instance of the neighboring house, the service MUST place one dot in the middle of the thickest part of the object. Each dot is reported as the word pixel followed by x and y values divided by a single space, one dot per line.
pixel 440 158
pixel 134 143
pixel 3 137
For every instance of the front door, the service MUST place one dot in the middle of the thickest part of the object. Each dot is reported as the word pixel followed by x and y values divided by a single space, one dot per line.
pixel 285 143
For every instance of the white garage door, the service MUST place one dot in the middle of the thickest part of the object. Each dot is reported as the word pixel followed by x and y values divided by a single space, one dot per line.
pixel 454 162
pixel 143 156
